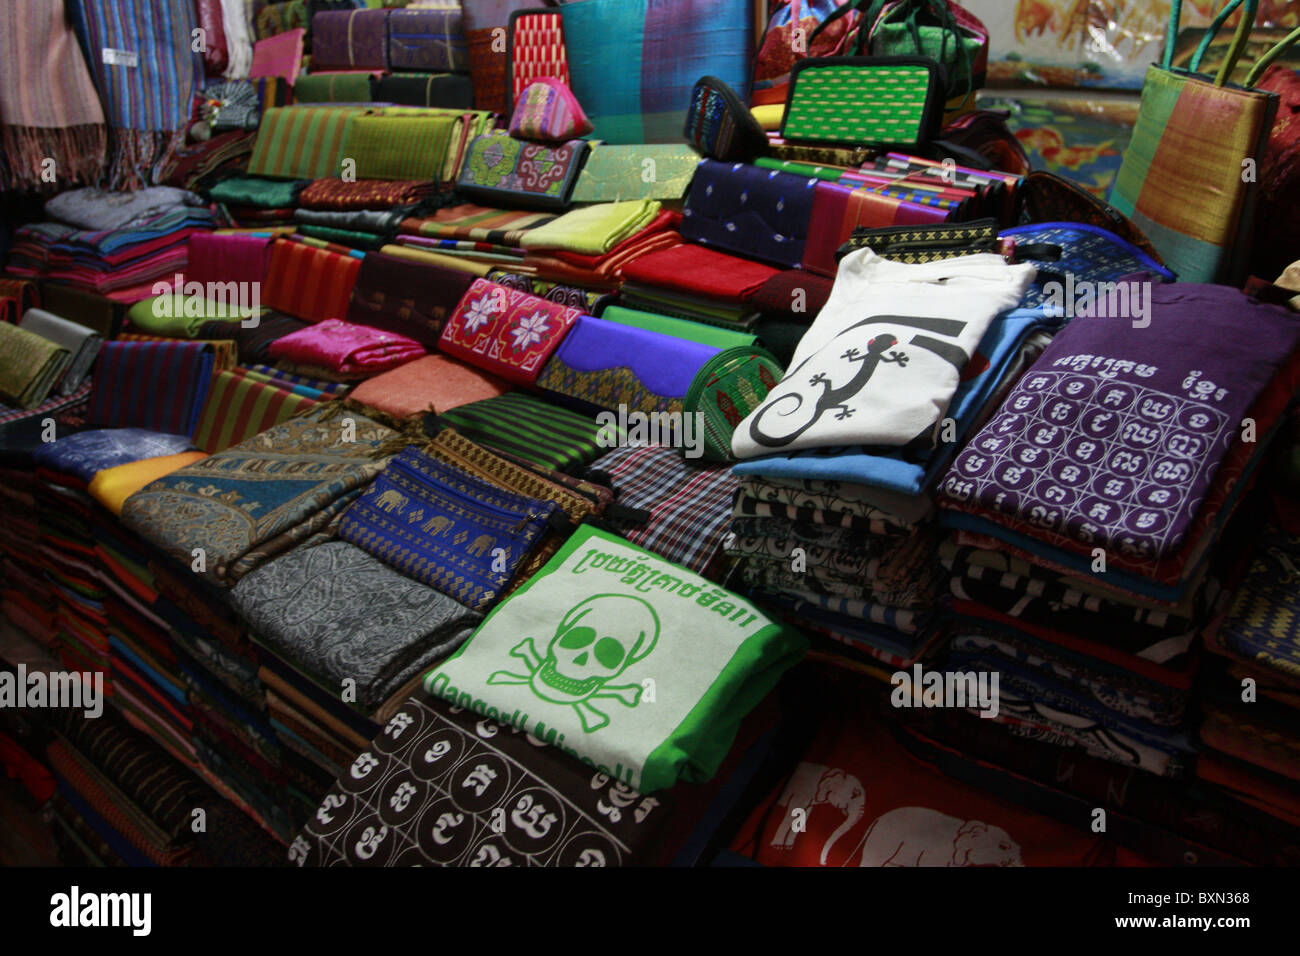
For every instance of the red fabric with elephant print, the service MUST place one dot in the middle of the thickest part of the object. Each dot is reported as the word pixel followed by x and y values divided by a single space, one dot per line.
pixel 858 798
pixel 506 331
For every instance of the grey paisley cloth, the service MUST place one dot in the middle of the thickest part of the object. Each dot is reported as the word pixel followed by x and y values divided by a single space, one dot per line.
pixel 341 614
pixel 440 786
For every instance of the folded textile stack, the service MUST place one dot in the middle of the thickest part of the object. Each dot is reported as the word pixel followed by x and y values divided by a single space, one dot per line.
pixel 335 349
pixel 30 366
pixel 1103 483
pixel 257 201
pixel 695 282
pixel 840 531
pixel 531 429
pixel 592 245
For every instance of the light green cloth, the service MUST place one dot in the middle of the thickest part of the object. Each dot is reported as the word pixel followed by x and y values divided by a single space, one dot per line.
pixel 679 328
pixel 593 230
pixel 181 316
pixel 636 666
pixel 642 171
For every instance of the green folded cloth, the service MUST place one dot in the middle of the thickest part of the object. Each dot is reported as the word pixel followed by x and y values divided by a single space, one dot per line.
pixel 593 230
pixel 679 328
pixel 30 366
pixel 635 666
pixel 257 192
pixel 182 316
pixel 635 171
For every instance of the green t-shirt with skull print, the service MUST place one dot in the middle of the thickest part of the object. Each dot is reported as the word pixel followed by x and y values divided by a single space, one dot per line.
pixel 636 666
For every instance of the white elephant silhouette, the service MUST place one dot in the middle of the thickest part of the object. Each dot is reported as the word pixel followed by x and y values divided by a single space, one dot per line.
pixel 811 784
pixel 918 836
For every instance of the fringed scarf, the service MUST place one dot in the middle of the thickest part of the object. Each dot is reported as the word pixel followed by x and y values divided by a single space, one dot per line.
pixel 147 73
pixel 49 109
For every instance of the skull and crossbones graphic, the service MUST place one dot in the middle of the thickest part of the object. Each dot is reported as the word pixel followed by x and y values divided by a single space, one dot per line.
pixel 595 642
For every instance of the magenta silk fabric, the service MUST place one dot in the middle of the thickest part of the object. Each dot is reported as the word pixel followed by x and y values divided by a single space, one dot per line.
pixel 346 348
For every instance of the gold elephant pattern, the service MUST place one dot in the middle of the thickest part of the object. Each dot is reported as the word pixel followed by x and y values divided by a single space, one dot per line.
pixel 480 545
pixel 438 526
pixel 391 501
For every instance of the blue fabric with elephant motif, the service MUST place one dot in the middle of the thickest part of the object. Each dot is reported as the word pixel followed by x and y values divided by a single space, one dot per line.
pixel 446 528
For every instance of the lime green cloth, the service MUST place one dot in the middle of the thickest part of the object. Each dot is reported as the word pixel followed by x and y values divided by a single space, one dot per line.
pixel 593 230
pixel 180 316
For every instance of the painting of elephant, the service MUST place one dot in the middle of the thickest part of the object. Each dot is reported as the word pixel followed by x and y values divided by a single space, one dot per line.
pixel 813 784
pixel 438 525
pixel 391 501
pixel 919 836
pixel 479 546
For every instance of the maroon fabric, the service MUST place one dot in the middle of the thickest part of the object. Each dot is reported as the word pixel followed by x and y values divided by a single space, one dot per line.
pixel 1277 227
pixel 216 56
pixel 777 296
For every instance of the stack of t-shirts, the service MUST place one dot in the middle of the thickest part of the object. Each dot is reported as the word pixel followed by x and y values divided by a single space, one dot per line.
pixel 1250 745
pixel 585 249
pixel 1118 458
pixel 340 350
pixel 532 429
pixel 840 532
pixel 122 262
pixel 694 282
pixel 249 503
pixel 258 201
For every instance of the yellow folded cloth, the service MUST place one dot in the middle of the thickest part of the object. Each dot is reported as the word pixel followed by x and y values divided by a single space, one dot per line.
pixel 593 230
pixel 769 116
pixel 438 259
pixel 112 486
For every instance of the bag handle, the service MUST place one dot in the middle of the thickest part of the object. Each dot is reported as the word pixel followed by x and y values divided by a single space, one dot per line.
pixel 1267 59
pixel 1210 33
pixel 1239 40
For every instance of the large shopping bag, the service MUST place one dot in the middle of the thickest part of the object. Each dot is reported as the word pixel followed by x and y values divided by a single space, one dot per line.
pixel 634 63
pixel 1189 176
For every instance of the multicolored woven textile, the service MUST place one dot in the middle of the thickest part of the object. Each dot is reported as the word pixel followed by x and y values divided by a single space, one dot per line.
pixel 446 528
pixel 504 227
pixel 660 48
pixel 487 54
pixel 239 407
pixel 309 282
pixel 349 40
pixel 404 146
pixel 250 503
pixel 645 171
pixel 427 40
pixel 344 195
pixel 146 73
pixel 529 428
pixel 535 49
pixel 500 168
pixel 505 331
pixel 155 385
pixel 409 298
pixel 48 104
pixel 301 142
pixel 689 504
pixel 30 366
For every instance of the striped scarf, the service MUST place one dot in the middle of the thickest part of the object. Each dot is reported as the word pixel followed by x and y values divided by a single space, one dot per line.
pixel 48 105
pixel 146 73
pixel 529 428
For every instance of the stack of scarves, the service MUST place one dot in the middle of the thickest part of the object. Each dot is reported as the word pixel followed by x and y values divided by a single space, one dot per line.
pixel 487 230
pixel 258 499
pixel 554 257
pixel 122 263
pixel 1143 491
pixel 49 109
pixel 147 77
pixel 343 349
pixel 693 282
pixel 531 429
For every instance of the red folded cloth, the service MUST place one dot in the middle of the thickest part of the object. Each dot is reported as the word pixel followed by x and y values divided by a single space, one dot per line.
pixel 700 271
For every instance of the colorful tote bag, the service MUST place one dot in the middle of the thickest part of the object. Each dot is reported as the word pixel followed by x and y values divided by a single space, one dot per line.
pixel 634 62
pixel 1182 181
pixel 534 50
pixel 446 528
pixel 608 365
pixel 430 41
pixel 569 657
pixel 506 331
pixel 487 24
pixel 501 170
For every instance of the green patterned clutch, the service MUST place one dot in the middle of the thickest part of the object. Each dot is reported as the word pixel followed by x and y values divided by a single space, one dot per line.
pixel 894 102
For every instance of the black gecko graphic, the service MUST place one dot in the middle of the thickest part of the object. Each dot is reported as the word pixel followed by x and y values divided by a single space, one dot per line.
pixel 831 397
pixel 837 398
